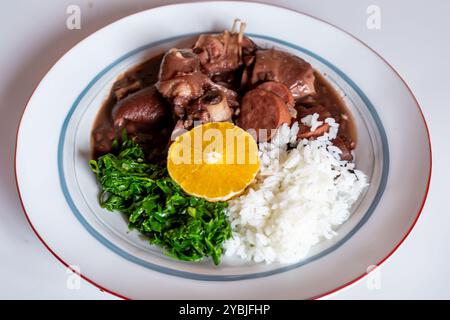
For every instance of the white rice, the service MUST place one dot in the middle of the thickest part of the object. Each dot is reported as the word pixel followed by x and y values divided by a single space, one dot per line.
pixel 298 199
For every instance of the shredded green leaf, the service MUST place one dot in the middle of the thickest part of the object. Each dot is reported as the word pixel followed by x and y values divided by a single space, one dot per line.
pixel 188 228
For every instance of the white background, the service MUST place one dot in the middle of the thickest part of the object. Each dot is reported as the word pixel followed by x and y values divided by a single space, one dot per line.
pixel 414 37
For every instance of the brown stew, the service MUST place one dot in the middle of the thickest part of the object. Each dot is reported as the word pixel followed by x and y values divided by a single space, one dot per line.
pixel 151 109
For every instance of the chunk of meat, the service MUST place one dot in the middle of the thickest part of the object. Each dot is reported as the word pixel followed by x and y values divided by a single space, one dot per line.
pixel 178 62
pixel 283 92
pixel 211 107
pixel 305 131
pixel 263 111
pixel 280 66
pixel 183 89
pixel 143 107
pixel 224 52
pixel 346 147
pixel 230 79
pixel 231 95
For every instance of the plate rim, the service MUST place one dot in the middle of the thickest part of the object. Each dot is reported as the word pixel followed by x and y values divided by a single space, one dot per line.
pixel 335 290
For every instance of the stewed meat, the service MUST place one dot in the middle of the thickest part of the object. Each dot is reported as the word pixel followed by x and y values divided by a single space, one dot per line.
pixel 188 93
pixel 223 77
pixel 218 104
pixel 280 66
pixel 145 116
pixel 181 90
pixel 229 79
pixel 225 52
pixel 178 62
pixel 263 111
pixel 231 95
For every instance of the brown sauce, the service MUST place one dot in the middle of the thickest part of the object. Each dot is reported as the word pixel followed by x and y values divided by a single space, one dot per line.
pixel 155 140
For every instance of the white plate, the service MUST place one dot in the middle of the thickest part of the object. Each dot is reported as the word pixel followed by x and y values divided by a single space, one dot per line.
pixel 59 193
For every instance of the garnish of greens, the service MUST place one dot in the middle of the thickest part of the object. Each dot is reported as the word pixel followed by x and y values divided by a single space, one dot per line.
pixel 188 228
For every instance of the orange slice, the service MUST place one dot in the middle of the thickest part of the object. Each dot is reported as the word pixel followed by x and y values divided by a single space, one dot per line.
pixel 215 161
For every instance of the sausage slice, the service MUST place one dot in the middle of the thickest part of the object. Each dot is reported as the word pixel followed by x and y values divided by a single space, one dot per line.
pixel 306 133
pixel 263 110
pixel 283 92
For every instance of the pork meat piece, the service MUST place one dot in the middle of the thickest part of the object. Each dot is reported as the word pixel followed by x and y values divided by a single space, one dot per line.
pixel 181 90
pixel 224 52
pixel 177 62
pixel 211 107
pixel 142 107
